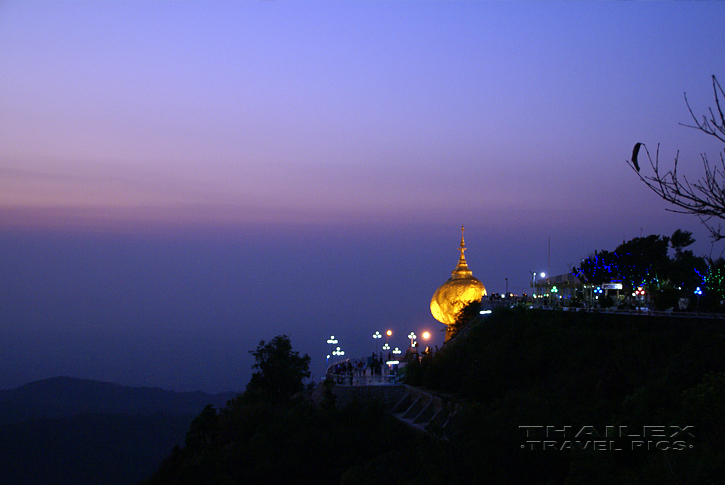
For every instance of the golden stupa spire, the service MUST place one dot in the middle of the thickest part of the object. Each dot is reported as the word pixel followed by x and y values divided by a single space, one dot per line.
pixel 462 270
pixel 461 289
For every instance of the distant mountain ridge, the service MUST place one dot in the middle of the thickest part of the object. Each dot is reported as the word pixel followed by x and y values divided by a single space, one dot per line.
pixel 68 396
pixel 65 430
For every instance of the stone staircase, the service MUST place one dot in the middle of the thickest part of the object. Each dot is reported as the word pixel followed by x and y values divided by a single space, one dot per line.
pixel 424 411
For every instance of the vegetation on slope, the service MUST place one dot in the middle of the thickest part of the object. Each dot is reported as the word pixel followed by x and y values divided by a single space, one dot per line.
pixel 272 434
pixel 588 371
pixel 580 372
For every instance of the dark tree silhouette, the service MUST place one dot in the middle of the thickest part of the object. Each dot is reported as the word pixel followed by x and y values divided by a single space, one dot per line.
pixel 280 370
pixel 643 261
pixel 680 240
pixel 464 317
pixel 705 197
pixel 599 267
pixel 687 270
pixel 203 430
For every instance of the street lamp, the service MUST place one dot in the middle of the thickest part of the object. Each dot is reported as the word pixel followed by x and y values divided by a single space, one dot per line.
pixel 376 336
pixel 338 353
pixel 396 355
pixel 533 281
pixel 388 334
pixel 426 336
pixel 332 341
pixel 698 292
pixel 412 338
pixel 543 275
pixel 386 356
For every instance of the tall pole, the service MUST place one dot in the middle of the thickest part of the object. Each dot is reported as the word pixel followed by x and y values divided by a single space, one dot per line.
pixel 548 265
pixel 412 336
pixel 376 336
pixel 332 341
pixel 533 285
pixel 698 292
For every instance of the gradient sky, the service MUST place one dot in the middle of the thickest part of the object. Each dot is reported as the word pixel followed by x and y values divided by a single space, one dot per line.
pixel 179 180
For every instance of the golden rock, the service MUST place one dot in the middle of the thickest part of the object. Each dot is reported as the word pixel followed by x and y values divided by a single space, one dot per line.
pixel 461 289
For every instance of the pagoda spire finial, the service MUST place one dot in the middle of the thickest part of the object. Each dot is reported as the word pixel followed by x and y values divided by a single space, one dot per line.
pixel 462 247
pixel 461 270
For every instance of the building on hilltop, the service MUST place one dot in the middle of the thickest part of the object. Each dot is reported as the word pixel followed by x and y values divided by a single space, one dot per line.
pixel 461 289
pixel 555 290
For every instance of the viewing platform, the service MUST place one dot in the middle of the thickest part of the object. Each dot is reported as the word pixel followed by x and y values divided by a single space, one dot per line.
pixel 363 380
pixel 416 408
pixel 365 372
pixel 421 410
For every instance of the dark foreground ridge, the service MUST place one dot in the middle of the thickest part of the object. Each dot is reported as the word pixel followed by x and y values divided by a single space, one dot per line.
pixel 539 397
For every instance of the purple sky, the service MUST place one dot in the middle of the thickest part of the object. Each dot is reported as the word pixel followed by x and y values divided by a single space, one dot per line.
pixel 181 180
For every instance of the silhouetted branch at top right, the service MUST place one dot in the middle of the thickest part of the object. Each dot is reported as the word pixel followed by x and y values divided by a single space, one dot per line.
pixel 705 197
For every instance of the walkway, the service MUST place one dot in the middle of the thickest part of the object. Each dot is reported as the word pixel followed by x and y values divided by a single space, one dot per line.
pixel 424 411
pixel 367 380
pixel 421 410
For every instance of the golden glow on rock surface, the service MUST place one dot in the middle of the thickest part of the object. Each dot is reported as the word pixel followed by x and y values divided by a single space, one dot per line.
pixel 461 289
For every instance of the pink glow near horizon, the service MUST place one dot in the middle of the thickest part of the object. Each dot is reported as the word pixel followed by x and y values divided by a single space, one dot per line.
pixel 126 112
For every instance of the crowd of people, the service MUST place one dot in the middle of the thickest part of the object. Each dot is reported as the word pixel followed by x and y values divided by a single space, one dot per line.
pixel 356 369
pixel 351 368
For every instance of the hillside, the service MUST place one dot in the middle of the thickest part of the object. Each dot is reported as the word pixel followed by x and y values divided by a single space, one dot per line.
pixel 65 430
pixel 543 398
pixel 609 395
pixel 68 396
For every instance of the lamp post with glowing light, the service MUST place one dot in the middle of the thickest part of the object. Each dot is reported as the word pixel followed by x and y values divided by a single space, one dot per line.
pixel 425 336
pixel 376 336
pixel 332 341
pixel 394 363
pixel 412 336
pixel 639 297
pixel 386 357
pixel 534 287
pixel 698 292
pixel 338 353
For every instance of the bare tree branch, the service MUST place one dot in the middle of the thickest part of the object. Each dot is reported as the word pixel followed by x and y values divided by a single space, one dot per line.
pixel 712 126
pixel 705 197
